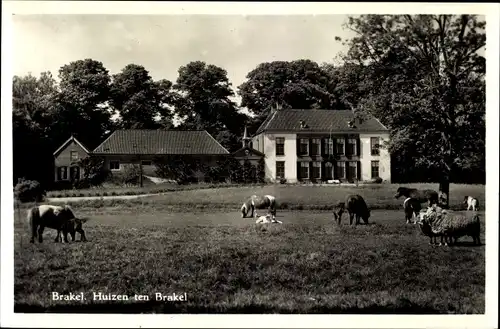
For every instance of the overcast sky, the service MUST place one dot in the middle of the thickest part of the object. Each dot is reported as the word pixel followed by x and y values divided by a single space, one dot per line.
pixel 164 43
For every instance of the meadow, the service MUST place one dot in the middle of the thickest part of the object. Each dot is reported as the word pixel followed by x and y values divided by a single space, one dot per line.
pixel 289 197
pixel 227 264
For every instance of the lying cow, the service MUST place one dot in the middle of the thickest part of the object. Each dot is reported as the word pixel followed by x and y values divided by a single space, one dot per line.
pixel 412 209
pixel 259 202
pixel 58 218
pixel 267 219
pixel 422 196
pixel 355 206
pixel 471 202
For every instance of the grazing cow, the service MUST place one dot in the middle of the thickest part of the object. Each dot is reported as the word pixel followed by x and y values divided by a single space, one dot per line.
pixel 355 206
pixel 422 196
pixel 267 219
pixel 412 208
pixel 471 202
pixel 59 218
pixel 259 202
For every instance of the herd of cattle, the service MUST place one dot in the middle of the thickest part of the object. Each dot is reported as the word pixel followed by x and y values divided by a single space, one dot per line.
pixel 434 221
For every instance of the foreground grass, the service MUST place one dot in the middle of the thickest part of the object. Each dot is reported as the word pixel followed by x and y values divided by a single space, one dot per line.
pixel 229 265
pixel 291 197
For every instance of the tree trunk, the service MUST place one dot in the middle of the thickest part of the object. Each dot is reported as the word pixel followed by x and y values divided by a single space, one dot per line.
pixel 444 192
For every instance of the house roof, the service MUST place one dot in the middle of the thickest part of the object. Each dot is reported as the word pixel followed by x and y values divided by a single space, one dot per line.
pixel 318 121
pixel 142 141
pixel 69 140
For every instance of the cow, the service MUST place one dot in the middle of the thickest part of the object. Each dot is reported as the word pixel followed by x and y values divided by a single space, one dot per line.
pixel 259 202
pixel 60 218
pixel 355 206
pixel 412 209
pixel 422 196
pixel 267 219
pixel 471 202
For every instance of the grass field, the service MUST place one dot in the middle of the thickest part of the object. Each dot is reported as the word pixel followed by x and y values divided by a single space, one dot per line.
pixel 226 264
pixel 291 197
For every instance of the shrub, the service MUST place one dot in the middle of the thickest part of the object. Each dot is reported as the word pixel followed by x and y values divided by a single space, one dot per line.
pixel 94 171
pixel 376 180
pixel 261 171
pixel 29 191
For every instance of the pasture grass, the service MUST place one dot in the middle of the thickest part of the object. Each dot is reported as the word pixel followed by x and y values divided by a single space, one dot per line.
pixel 289 197
pixel 226 264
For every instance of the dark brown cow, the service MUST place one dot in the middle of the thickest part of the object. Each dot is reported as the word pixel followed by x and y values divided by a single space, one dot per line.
pixel 355 206
pixel 422 196
pixel 58 218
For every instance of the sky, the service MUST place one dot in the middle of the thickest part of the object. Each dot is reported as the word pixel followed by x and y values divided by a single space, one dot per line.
pixel 164 43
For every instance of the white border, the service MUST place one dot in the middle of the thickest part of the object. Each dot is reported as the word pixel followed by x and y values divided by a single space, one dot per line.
pixel 8 318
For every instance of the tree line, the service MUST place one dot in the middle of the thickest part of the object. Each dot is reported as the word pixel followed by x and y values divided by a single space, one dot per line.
pixel 420 75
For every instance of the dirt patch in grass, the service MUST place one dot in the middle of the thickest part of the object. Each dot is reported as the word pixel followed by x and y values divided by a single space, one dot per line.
pixel 226 264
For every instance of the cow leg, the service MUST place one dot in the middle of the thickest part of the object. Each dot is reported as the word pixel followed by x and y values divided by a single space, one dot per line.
pixel 351 217
pixel 58 237
pixel 82 234
pixel 357 219
pixel 33 233
pixel 40 233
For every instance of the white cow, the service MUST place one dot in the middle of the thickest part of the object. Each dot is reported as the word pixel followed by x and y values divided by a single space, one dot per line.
pixel 471 202
pixel 267 219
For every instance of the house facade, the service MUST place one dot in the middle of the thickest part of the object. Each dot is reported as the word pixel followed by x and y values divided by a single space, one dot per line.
pixel 130 147
pixel 67 158
pixel 323 145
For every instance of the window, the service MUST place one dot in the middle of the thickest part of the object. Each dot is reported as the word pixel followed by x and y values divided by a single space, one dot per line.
pixel 62 173
pixel 341 169
pixel 328 146
pixel 280 169
pixel 375 169
pixel 304 170
pixel 375 145
pixel 304 146
pixel 146 162
pixel 316 170
pixel 351 146
pixel 340 146
pixel 328 171
pixel 352 170
pixel 114 165
pixel 74 155
pixel 280 146
pixel 316 146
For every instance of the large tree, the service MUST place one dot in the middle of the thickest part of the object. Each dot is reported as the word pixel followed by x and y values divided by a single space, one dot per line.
pixel 299 84
pixel 140 101
pixel 202 100
pixel 83 102
pixel 427 85
pixel 33 103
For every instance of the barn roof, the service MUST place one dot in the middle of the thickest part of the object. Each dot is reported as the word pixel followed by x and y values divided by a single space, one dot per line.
pixel 143 141
pixel 318 121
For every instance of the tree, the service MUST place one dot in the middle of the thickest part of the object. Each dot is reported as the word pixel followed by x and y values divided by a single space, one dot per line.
pixel 82 105
pixel 261 170
pixel 428 80
pixel 248 172
pixel 94 171
pixel 300 84
pixel 32 116
pixel 140 101
pixel 202 99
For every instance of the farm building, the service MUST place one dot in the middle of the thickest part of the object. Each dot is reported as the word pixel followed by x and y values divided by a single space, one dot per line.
pixel 129 147
pixel 322 145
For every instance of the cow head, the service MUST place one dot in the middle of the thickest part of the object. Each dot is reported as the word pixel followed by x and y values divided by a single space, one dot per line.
pixel 399 192
pixel 466 199
pixel 244 210
pixel 338 210
pixel 367 215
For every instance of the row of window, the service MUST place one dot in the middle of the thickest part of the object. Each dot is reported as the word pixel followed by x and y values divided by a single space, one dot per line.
pixel 314 148
pixel 312 170
pixel 62 173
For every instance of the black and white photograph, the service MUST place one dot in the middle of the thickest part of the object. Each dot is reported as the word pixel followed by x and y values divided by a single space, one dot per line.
pixel 175 161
